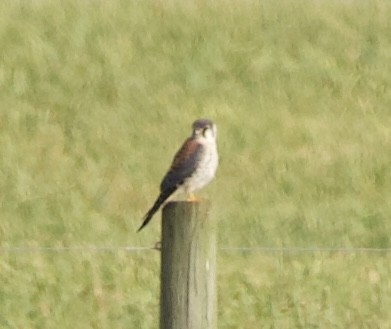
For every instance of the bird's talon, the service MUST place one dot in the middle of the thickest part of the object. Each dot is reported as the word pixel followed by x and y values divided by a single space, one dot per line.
pixel 192 198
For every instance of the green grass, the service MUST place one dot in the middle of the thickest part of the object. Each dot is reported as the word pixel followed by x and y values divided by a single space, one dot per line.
pixel 96 96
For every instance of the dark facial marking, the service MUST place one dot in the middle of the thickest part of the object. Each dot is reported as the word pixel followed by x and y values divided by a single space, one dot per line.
pixel 202 123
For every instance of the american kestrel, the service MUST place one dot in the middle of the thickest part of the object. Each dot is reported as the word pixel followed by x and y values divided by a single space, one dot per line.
pixel 193 167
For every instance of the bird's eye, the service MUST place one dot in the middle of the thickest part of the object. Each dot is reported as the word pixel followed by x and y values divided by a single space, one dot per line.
pixel 205 130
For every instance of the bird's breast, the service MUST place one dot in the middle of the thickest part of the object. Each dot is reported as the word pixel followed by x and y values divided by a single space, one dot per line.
pixel 205 170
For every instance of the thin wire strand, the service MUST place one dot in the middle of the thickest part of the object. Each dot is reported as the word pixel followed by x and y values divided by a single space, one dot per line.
pixel 96 249
pixel 114 249
pixel 305 249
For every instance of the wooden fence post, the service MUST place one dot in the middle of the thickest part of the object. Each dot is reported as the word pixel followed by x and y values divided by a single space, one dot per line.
pixel 188 267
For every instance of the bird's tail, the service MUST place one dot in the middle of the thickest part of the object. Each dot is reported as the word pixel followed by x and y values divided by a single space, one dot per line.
pixel 164 195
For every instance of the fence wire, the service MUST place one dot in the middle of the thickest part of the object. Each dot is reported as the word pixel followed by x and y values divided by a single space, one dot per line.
pixel 243 249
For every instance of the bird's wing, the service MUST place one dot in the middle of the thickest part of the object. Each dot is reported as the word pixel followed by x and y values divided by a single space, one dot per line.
pixel 184 164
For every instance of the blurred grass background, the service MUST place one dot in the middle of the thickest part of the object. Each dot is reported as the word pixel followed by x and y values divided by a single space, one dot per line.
pixel 96 96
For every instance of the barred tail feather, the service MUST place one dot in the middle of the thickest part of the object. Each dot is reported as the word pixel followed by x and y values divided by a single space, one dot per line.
pixel 164 195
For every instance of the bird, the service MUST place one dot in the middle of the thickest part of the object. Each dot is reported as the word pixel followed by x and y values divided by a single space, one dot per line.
pixel 194 166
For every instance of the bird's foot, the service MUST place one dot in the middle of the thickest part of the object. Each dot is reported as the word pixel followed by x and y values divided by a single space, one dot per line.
pixel 192 198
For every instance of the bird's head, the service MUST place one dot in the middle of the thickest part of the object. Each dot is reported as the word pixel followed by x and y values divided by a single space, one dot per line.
pixel 204 129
